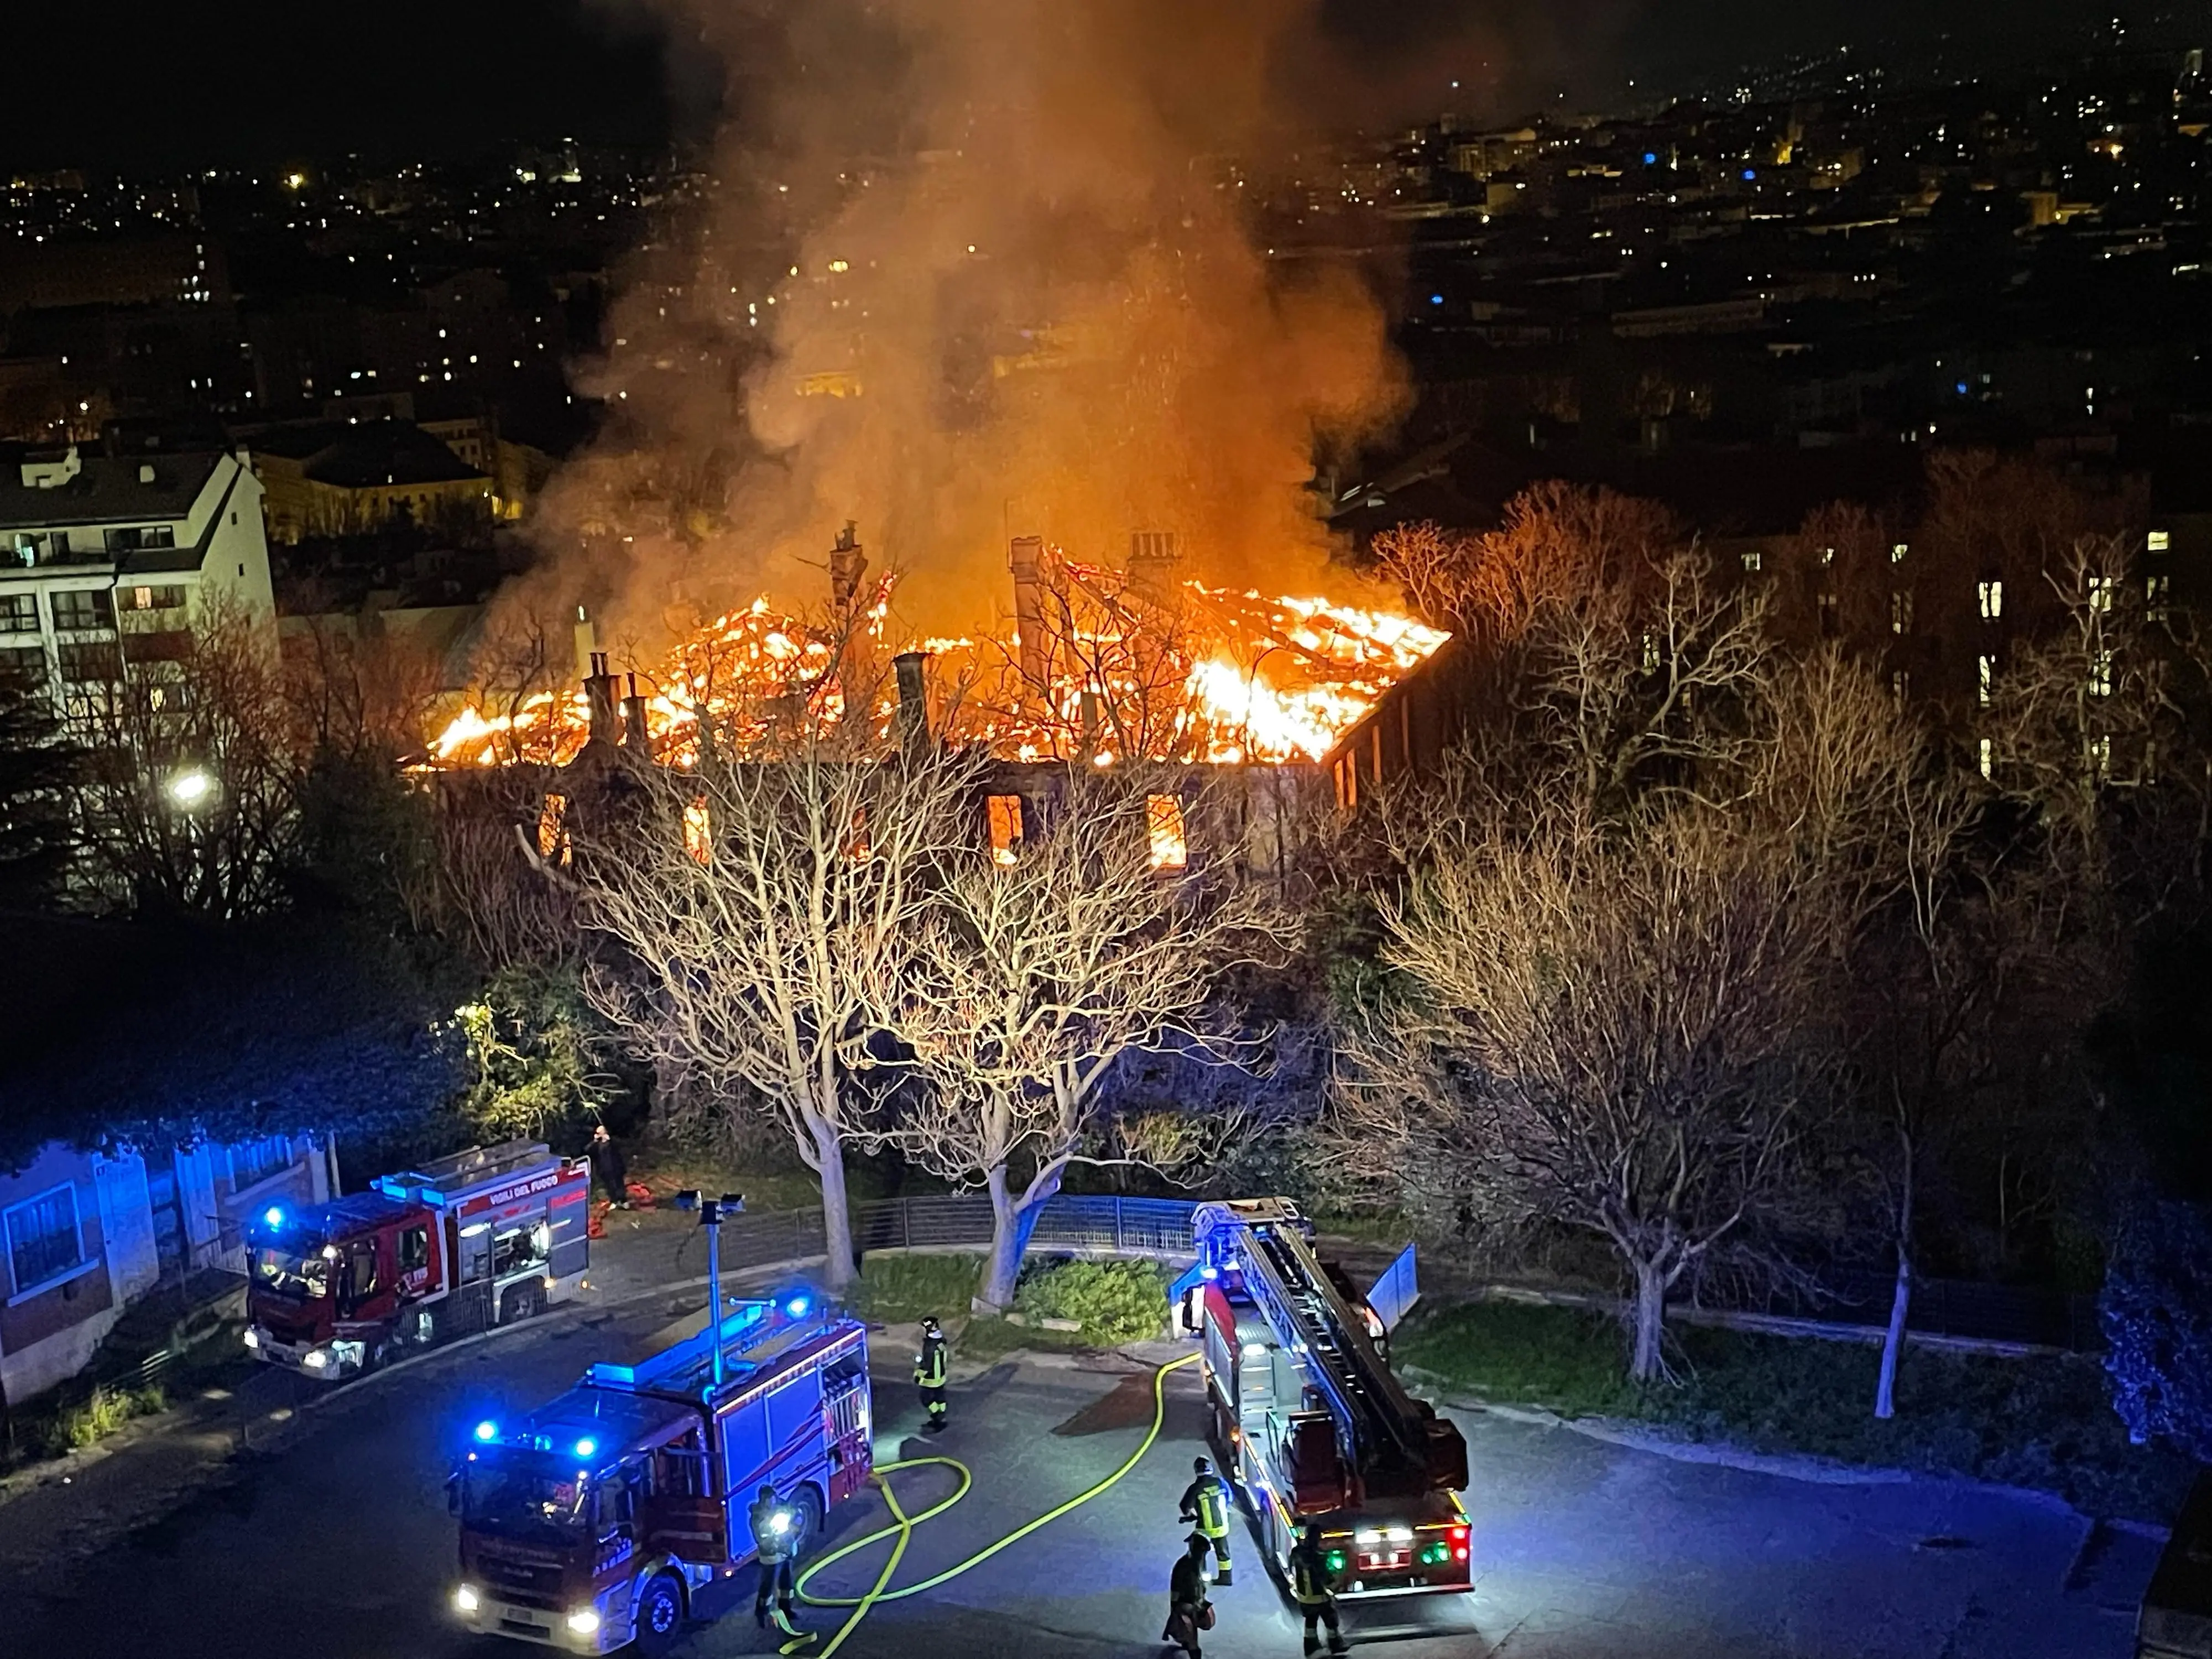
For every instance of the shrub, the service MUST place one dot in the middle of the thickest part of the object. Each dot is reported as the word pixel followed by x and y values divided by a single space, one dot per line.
pixel 1113 1301
pixel 108 1410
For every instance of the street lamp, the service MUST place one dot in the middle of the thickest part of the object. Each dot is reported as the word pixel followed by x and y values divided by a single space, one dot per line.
pixel 192 788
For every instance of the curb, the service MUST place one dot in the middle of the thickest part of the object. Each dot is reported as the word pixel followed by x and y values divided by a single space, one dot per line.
pixel 1806 1469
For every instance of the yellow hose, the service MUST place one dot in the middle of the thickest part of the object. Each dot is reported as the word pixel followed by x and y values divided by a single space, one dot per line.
pixel 902 1525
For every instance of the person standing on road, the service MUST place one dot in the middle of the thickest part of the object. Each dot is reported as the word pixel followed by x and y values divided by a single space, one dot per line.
pixel 610 1167
pixel 1188 1611
pixel 1206 1501
pixel 929 1373
pixel 776 1549
pixel 1314 1587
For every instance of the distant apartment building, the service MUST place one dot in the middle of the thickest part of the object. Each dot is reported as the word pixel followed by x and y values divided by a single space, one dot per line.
pixel 112 270
pixel 106 565
pixel 83 1234
pixel 342 477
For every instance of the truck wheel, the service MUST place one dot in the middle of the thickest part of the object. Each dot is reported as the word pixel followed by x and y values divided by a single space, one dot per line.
pixel 523 1302
pixel 660 1613
pixel 807 1504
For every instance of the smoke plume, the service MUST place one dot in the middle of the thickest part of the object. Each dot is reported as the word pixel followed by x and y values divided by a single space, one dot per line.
pixel 968 269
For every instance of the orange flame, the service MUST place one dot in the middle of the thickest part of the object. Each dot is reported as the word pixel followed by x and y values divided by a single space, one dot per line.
pixel 1213 676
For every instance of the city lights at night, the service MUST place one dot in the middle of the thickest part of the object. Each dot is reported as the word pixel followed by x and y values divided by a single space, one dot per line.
pixel 1107 828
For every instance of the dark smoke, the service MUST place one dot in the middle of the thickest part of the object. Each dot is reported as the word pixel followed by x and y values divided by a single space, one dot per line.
pixel 1014 291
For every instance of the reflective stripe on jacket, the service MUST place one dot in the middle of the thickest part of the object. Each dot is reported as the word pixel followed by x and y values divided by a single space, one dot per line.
pixel 929 1365
pixel 1309 1577
pixel 768 1544
pixel 1206 1499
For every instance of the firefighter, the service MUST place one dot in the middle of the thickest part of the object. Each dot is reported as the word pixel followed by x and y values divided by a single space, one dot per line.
pixel 1188 1611
pixel 775 1545
pixel 929 1373
pixel 1311 1586
pixel 611 1168
pixel 1205 1502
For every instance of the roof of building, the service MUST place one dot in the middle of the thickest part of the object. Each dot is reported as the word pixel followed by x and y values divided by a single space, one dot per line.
pixel 366 454
pixel 104 491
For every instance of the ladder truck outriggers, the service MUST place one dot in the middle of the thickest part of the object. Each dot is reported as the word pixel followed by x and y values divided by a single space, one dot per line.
pixel 1303 1408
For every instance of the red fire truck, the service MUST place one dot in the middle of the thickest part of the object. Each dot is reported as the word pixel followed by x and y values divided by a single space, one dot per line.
pixel 591 1522
pixel 1306 1413
pixel 483 1237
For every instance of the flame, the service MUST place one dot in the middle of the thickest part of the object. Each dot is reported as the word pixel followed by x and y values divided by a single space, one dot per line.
pixel 1205 675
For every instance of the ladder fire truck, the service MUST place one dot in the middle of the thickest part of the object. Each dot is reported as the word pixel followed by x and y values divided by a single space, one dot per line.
pixel 591 1522
pixel 1305 1411
pixel 481 1238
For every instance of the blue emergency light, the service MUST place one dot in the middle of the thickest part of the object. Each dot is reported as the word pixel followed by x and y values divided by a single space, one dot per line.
pixel 273 1215
pixel 487 1429
pixel 797 1306
pixel 587 1446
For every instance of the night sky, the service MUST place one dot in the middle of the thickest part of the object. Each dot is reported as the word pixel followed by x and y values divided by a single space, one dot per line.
pixel 159 85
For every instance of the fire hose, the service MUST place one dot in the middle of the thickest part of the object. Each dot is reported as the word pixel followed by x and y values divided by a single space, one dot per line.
pixel 902 1526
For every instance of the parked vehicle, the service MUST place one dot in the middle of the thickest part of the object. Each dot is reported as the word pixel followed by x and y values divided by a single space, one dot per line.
pixel 484 1238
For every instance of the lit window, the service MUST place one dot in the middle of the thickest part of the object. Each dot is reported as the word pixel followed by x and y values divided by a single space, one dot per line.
pixel 698 832
pixel 1901 683
pixel 1164 822
pixel 2100 757
pixel 43 1241
pixel 1989 756
pixel 1751 561
pixel 1827 556
pixel 1900 611
pixel 1005 813
pixel 2156 591
pixel 1992 594
pixel 1987 667
pixel 2158 541
pixel 1651 650
pixel 1897 552
pixel 2100 593
pixel 2101 674
pixel 553 831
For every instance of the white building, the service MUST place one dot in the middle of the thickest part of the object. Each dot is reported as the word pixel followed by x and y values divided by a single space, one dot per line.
pixel 107 564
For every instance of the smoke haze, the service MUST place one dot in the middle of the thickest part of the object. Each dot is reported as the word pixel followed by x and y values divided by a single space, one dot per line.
pixel 972 268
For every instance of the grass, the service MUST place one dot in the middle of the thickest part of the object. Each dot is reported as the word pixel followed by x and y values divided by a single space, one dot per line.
pixel 898 1289
pixel 986 1339
pixel 2043 1422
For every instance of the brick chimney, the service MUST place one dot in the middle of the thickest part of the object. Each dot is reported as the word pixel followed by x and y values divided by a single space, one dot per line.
pixel 912 668
pixel 1026 557
pixel 602 693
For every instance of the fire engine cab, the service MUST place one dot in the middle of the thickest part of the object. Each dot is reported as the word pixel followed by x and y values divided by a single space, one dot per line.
pixel 481 1238
pixel 1306 1413
pixel 591 1521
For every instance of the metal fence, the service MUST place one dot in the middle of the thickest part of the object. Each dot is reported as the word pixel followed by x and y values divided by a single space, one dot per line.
pixel 1958 1310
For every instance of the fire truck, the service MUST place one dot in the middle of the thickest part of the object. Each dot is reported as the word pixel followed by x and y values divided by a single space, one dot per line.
pixel 1305 1411
pixel 591 1521
pixel 481 1238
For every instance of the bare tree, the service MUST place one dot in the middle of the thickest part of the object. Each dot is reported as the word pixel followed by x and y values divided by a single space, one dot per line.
pixel 757 899
pixel 1109 934
pixel 1606 1027
pixel 194 794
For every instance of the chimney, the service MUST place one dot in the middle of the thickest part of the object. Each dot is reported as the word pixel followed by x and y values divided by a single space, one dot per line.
pixel 913 670
pixel 601 690
pixel 587 644
pixel 1027 561
pixel 634 732
pixel 1090 722
pixel 1155 565
pixel 848 565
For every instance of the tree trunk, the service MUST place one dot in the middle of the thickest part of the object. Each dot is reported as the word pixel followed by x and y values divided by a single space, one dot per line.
pixel 1885 1390
pixel 1645 1364
pixel 1003 1265
pixel 837 1267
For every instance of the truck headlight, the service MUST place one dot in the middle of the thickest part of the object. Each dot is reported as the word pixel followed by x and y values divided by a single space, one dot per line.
pixel 252 1337
pixel 584 1622
pixel 315 1358
pixel 465 1599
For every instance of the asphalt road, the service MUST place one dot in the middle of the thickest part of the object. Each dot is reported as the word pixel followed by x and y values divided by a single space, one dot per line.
pixel 340 1547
